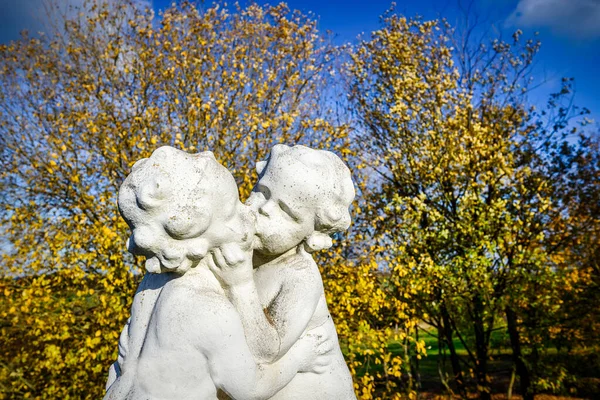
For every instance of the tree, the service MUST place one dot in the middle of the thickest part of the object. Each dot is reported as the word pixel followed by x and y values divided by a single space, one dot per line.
pixel 463 175
pixel 559 297
pixel 79 108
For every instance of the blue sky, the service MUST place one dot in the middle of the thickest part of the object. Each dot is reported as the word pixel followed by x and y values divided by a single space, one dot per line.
pixel 569 30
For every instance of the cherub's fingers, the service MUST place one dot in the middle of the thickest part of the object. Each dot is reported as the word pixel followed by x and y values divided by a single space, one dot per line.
pixel 325 347
pixel 241 254
pixel 320 335
pixel 320 332
pixel 211 264
pixel 317 340
pixel 322 361
pixel 218 259
pixel 233 253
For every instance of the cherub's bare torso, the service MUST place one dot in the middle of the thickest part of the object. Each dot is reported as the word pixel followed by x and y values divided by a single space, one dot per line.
pixel 166 360
pixel 172 364
pixel 296 278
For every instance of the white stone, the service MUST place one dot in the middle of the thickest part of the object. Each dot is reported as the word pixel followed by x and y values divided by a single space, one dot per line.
pixel 232 305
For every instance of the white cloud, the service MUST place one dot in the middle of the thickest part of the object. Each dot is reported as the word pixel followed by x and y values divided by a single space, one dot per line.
pixel 575 18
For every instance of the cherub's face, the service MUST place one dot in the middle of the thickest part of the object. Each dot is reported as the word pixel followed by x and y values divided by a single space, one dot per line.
pixel 285 200
pixel 235 223
pixel 179 206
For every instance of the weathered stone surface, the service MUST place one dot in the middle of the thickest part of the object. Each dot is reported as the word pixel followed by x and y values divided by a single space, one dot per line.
pixel 232 305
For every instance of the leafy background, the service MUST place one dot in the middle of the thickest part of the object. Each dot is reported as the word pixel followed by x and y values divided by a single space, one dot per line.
pixel 475 224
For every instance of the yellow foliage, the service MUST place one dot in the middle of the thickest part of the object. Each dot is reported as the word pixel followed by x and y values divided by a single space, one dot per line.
pixel 443 199
pixel 78 109
pixel 464 190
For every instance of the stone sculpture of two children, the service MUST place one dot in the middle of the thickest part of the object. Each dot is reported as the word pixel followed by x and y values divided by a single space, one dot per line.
pixel 233 306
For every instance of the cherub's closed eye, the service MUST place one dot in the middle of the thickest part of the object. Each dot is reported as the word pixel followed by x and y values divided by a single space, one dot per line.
pixel 284 207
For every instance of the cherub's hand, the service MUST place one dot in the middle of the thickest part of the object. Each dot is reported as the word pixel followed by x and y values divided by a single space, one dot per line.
pixel 314 349
pixel 231 265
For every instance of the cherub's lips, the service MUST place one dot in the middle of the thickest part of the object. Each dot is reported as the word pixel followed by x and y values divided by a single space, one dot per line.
pixel 256 240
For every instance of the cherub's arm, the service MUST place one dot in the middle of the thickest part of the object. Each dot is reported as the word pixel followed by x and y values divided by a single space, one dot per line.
pixel 261 334
pixel 270 336
pixel 264 381
pixel 114 372
pixel 220 337
pixel 233 267
pixel 133 333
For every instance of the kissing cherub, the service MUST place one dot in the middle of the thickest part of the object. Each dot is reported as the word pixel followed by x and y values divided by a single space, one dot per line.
pixel 184 338
pixel 301 198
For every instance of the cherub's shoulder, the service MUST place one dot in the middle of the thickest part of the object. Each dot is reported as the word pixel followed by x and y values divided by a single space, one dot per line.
pixel 186 295
pixel 300 272
pixel 300 261
pixel 295 273
pixel 193 313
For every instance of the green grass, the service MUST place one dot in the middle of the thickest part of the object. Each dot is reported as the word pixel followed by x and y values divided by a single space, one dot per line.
pixel 499 341
pixel 583 368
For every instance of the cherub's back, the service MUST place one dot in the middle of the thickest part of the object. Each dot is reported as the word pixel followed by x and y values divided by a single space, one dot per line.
pixel 172 363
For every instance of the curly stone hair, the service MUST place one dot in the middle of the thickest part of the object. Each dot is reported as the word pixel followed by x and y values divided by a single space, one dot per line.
pixel 335 184
pixel 169 200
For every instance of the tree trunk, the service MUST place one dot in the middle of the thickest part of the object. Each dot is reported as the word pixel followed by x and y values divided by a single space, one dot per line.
pixel 446 328
pixel 481 363
pixel 408 363
pixel 515 344
pixel 481 350
pixel 441 363
pixel 417 367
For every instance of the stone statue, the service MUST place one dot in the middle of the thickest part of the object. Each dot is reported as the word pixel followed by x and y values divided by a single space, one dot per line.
pixel 233 304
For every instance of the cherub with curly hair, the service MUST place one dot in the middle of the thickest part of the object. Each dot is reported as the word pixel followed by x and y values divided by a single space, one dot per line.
pixel 184 338
pixel 301 198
